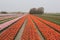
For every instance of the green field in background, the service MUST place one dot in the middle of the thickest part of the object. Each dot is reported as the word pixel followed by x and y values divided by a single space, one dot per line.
pixel 55 18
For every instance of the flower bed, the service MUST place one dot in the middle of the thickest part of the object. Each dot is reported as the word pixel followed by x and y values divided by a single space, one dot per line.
pixel 47 32
pixel 11 32
pixel 30 32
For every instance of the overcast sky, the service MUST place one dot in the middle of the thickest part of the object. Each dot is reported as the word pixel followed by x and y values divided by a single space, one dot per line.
pixel 25 5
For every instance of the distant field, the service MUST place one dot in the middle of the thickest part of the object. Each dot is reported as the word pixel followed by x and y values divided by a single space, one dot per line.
pixel 7 17
pixel 5 20
pixel 55 18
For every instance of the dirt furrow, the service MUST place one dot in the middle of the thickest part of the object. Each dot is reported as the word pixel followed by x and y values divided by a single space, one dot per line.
pixel 18 37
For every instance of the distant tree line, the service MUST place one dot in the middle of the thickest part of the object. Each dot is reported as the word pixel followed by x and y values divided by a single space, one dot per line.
pixel 3 12
pixel 37 11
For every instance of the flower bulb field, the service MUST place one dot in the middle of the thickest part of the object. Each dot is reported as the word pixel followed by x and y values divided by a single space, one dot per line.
pixel 30 27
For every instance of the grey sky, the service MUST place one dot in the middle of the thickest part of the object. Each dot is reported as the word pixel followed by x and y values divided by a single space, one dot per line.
pixel 25 5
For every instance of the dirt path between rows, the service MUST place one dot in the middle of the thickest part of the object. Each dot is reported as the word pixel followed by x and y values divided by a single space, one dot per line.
pixel 42 38
pixel 18 37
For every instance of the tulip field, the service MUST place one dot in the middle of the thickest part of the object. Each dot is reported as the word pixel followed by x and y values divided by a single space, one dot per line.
pixel 35 28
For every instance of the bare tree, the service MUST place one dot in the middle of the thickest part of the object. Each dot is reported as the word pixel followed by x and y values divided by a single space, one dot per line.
pixel 33 11
pixel 40 10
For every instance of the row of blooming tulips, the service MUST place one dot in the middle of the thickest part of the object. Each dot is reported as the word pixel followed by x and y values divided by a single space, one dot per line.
pixel 11 32
pixel 46 31
pixel 52 25
pixel 30 32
